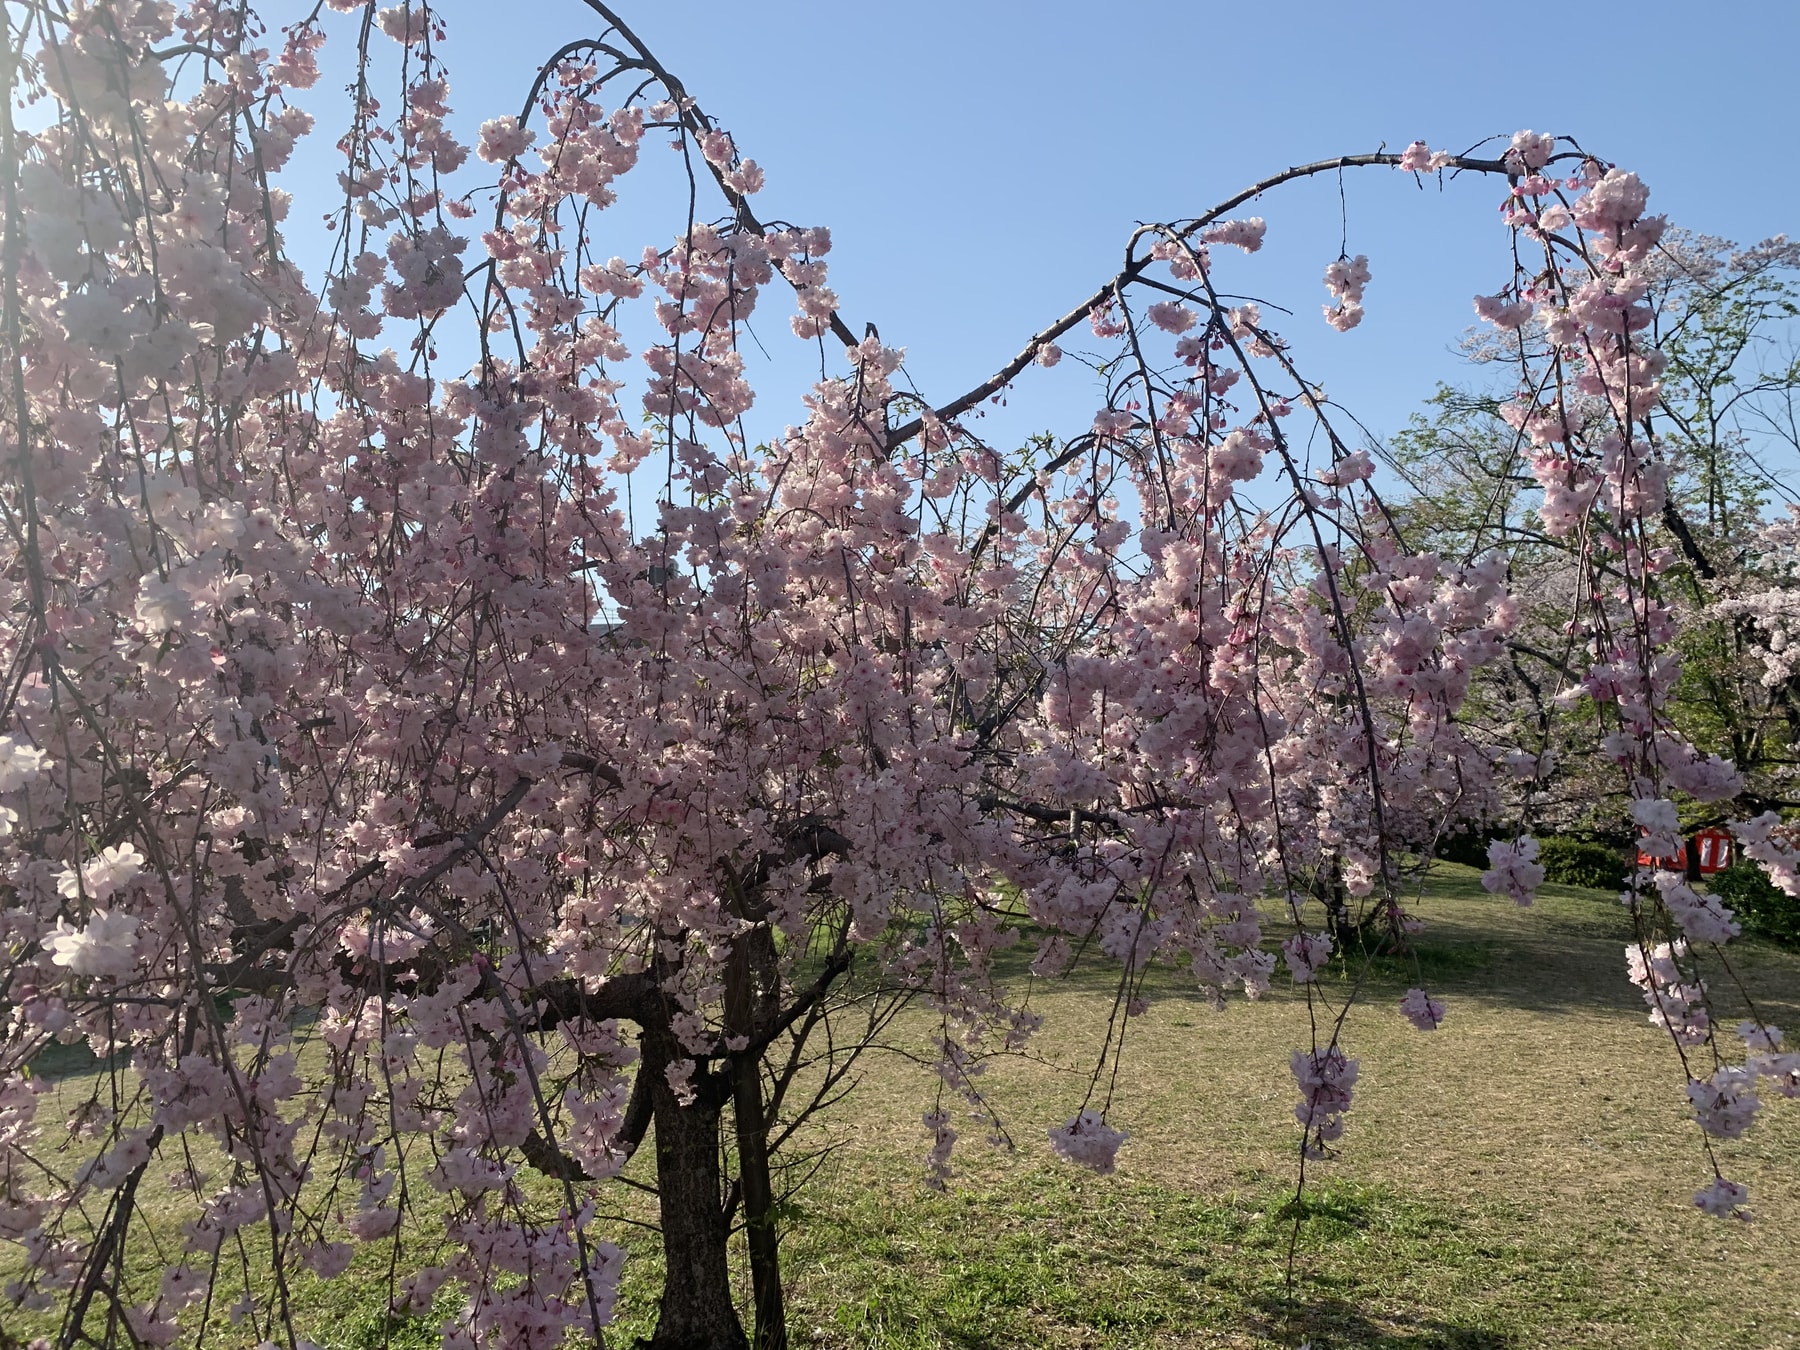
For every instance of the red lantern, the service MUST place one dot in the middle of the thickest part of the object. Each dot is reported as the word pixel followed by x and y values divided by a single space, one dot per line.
pixel 1714 848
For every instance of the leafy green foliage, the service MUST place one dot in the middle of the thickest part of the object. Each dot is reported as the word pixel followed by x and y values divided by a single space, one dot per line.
pixel 1761 906
pixel 1581 862
pixel 1726 320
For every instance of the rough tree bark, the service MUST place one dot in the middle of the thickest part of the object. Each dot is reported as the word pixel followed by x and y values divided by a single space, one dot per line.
pixel 753 997
pixel 696 1312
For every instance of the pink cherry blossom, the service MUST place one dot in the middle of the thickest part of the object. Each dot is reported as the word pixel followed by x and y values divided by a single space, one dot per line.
pixel 1086 1140
pixel 1346 280
pixel 503 139
pixel 1306 954
pixel 102 877
pixel 1721 1198
pixel 104 946
pixel 1245 234
pixel 1530 150
pixel 20 763
pixel 1513 869
pixel 1424 1012
pixel 1416 158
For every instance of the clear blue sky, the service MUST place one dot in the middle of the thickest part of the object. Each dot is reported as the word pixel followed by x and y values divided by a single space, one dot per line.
pixel 981 162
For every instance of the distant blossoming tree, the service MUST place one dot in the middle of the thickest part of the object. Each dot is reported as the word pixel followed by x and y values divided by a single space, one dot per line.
pixel 1722 318
pixel 442 745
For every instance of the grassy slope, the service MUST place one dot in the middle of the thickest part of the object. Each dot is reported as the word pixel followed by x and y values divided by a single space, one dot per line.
pixel 1518 1178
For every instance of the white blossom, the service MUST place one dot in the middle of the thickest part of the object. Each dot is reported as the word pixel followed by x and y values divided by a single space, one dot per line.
pixel 104 947
pixel 19 763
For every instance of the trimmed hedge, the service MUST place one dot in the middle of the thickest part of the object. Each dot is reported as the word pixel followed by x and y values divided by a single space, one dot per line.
pixel 1760 905
pixel 1581 862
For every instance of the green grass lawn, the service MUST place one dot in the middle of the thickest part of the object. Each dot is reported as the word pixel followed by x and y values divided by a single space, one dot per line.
pixel 1519 1178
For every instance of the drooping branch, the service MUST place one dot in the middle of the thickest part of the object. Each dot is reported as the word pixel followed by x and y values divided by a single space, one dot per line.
pixel 697 121
pixel 1135 268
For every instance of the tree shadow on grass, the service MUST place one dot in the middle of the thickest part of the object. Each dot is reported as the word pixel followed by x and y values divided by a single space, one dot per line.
pixel 1333 1323
pixel 1565 954
pixel 56 1062
pixel 1375 1232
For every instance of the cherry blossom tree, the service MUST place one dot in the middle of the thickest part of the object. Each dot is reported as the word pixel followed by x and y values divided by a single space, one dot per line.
pixel 1722 318
pixel 449 739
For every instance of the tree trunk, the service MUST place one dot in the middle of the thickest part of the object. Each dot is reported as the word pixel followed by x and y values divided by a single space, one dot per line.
pixel 696 1311
pixel 752 1001
pixel 758 1194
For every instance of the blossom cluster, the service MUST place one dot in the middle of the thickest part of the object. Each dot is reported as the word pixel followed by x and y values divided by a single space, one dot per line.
pixel 1579 318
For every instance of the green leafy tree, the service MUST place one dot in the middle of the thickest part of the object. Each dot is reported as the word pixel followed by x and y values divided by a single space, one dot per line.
pixel 1726 325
